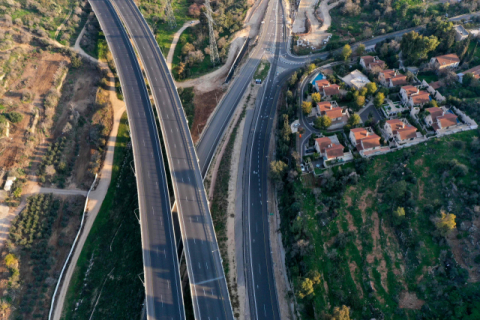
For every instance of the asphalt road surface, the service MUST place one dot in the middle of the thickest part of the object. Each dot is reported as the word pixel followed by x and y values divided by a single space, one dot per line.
pixel 164 298
pixel 208 285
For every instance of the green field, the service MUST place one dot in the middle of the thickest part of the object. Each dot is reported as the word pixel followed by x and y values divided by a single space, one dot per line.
pixel 106 282
pixel 262 70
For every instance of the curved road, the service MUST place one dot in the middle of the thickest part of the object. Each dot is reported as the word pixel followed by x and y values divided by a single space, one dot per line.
pixel 164 299
pixel 208 285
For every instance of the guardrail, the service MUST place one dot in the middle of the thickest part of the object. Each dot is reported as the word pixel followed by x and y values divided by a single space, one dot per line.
pixel 237 60
pixel 59 281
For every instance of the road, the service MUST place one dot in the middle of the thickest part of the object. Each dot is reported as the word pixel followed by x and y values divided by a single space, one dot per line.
pixel 208 285
pixel 164 299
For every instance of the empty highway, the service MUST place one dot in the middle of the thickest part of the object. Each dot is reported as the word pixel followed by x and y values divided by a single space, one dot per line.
pixel 208 285
pixel 164 299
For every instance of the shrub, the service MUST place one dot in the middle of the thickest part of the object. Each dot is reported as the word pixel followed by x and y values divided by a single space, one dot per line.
pixel 14 117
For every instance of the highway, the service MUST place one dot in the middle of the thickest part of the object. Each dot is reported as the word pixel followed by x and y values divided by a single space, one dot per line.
pixel 164 298
pixel 208 285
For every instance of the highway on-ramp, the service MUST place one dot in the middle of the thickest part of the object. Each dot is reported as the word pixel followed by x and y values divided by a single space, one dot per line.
pixel 164 299
pixel 208 285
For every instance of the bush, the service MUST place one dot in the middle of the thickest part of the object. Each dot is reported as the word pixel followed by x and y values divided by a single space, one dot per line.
pixel 15 117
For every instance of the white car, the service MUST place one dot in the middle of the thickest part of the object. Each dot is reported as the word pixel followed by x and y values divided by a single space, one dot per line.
pixel 302 167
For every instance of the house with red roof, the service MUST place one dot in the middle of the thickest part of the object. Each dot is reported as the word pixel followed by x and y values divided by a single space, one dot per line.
pixel 392 78
pixel 400 130
pixel 369 62
pixel 446 61
pixel 412 96
pixel 363 139
pixel 440 120
pixel 338 115
pixel 326 89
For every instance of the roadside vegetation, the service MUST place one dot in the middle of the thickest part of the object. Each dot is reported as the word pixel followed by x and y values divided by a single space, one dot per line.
pixel 39 241
pixel 186 97
pixel 105 283
pixel 354 21
pixel 262 70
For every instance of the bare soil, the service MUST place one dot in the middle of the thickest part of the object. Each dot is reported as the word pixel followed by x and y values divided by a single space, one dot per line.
pixel 205 103
pixel 409 300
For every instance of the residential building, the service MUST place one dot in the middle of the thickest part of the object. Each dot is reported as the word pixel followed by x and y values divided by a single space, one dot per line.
pixel 327 149
pixel 392 78
pixel 433 114
pixel 326 89
pixel 356 79
pixel 399 130
pixel 412 96
pixel 460 33
pixel 446 61
pixel 432 88
pixel 445 122
pixel 363 139
pixel 369 62
pixel 475 71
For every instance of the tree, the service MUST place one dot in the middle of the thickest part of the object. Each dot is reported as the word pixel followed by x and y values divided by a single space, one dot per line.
pixel 277 170
pixel 397 190
pixel 323 122
pixel 286 130
pixel 363 91
pixel 354 120
pixel 293 79
pixel 306 107
pixel 379 99
pixel 446 223
pixel 346 52
pixel 306 288
pixel 15 117
pixel 416 47
pixel 360 50
pixel 398 215
pixel 360 101
pixel 188 47
pixel 341 313
pixel 311 67
pixel 444 30
pixel 371 87
pixel 76 61
pixel 316 97
pixel 467 79
pixel 11 261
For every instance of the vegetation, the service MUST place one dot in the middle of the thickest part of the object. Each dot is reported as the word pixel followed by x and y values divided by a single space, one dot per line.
pixel 262 70
pixel 186 96
pixel 323 122
pixel 38 235
pixel 306 107
pixel 107 270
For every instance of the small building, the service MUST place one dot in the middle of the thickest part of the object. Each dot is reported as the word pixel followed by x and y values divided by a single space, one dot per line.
pixel 363 139
pixel 445 122
pixel 460 33
pixel 446 61
pixel 392 78
pixel 338 114
pixel 432 88
pixel 9 183
pixel 399 130
pixel 369 62
pixel 326 89
pixel 412 96
pixel 433 114
pixel 475 71
pixel 356 79
pixel 327 149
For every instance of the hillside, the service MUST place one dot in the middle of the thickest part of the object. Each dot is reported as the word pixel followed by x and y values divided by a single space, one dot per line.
pixel 380 264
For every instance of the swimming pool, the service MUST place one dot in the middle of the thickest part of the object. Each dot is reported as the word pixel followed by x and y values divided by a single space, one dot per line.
pixel 319 76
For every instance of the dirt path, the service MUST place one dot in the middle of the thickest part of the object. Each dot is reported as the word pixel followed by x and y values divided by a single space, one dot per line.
pixel 96 198
pixel 60 27
pixel 176 36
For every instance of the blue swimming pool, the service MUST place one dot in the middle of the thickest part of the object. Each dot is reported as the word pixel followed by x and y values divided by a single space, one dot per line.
pixel 319 76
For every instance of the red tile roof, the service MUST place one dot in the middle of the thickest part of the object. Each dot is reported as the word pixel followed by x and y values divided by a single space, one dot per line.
pixel 372 61
pixel 388 74
pixel 436 85
pixel 399 80
pixel 371 141
pixel 395 124
pixel 334 113
pixel 335 151
pixel 322 83
pixel 407 133
pixel 323 143
pixel 324 105
pixel 410 90
pixel 421 97
pixel 447 120
pixel 360 133
pixel 435 112
pixel 447 59
pixel 331 90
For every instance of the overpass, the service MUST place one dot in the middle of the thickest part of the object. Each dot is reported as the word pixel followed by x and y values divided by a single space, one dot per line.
pixel 208 285
pixel 164 299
